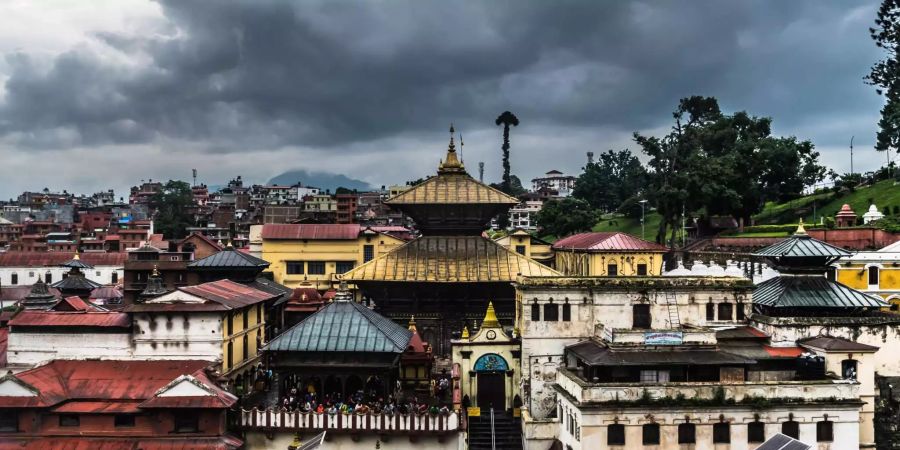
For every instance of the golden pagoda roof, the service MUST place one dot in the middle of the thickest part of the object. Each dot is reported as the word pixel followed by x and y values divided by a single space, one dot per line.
pixel 451 185
pixel 449 259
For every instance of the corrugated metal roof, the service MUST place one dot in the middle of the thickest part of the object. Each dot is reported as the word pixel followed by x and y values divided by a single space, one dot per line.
pixel 76 283
pixel 451 188
pixel 811 292
pixel 802 246
pixel 70 319
pixel 229 258
pixel 837 344
pixel 782 442
pixel 311 231
pixel 17 293
pixel 596 354
pixel 228 293
pixel 454 259
pixel 607 241
pixel 125 443
pixel 52 259
pixel 343 326
pixel 97 407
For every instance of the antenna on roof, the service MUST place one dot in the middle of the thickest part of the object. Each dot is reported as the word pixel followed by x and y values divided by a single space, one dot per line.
pixel 194 171
pixel 481 171
pixel 461 159
pixel 590 156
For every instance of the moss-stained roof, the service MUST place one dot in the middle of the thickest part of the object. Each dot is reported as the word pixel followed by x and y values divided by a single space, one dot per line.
pixel 450 259
pixel 635 282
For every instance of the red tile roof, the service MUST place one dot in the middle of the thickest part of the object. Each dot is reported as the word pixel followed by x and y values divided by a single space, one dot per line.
pixel 203 238
pixel 97 381
pixel 126 443
pixel 787 352
pixel 311 231
pixel 228 293
pixel 50 259
pixel 70 319
pixel 73 304
pixel 98 407
pixel 607 241
pixel 217 398
pixel 4 345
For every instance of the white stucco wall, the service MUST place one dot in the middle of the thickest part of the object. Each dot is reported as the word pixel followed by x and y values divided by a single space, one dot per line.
pixel 30 275
pixel 32 349
pixel 178 336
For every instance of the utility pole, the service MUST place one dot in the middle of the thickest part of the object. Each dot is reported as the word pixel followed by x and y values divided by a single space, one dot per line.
pixel 851 155
pixel 195 176
pixel 642 202
pixel 682 225
pixel 590 156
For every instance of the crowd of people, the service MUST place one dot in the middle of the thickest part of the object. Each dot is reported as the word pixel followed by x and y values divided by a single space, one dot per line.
pixel 358 403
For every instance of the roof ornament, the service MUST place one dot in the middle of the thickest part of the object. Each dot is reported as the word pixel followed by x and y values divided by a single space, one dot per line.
pixel 490 317
pixel 76 257
pixel 801 231
pixel 465 332
pixel 412 323
pixel 155 272
pixel 451 164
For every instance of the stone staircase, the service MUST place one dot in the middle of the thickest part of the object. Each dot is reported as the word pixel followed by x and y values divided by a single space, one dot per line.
pixel 507 432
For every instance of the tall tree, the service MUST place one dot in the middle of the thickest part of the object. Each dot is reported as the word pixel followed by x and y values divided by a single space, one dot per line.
pixel 614 178
pixel 885 74
pixel 506 119
pixel 171 205
pixel 567 216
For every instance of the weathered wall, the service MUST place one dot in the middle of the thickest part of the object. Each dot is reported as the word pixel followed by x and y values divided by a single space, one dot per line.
pixel 31 349
pixel 178 336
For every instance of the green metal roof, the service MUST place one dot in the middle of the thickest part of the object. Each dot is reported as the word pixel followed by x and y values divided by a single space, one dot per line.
pixel 802 246
pixel 811 292
pixel 230 258
pixel 343 326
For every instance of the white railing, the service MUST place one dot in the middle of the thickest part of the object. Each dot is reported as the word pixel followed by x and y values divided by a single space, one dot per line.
pixel 737 391
pixel 371 422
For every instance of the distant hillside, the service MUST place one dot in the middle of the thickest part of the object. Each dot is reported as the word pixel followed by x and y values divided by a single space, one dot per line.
pixel 883 193
pixel 320 180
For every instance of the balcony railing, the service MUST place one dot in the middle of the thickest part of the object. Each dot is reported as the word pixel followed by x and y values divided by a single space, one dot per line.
pixel 270 419
pixel 788 391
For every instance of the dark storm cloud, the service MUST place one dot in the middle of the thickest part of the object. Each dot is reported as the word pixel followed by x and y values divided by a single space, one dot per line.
pixel 256 75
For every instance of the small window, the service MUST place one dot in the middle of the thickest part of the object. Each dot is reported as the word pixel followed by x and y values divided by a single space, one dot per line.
pixel 739 308
pixel 14 279
pixel 825 431
pixel 726 311
pixel 9 420
pixel 316 267
pixel 229 324
pixel 343 266
pixel 687 433
pixel 756 432
pixel 848 369
pixel 640 316
pixel 615 434
pixel 259 314
pixel 520 249
pixel 642 269
pixel 245 349
pixel 186 422
pixel 612 270
pixel 567 312
pixel 710 311
pixel 115 277
pixel 873 276
pixel 69 420
pixel 651 434
pixel 246 318
pixel 230 362
pixel 535 312
pixel 48 278
pixel 791 428
pixel 368 253
pixel 551 312
pixel 294 268
pixel 124 420
pixel 722 433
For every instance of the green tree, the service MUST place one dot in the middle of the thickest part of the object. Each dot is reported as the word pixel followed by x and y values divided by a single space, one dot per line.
pixel 567 216
pixel 614 178
pixel 171 207
pixel 885 74
pixel 506 119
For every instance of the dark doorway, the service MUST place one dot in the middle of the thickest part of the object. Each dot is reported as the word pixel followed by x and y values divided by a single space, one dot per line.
pixel 492 390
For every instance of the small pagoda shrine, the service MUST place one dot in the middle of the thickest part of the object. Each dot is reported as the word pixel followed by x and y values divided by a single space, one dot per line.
pixel 74 282
pixel 802 287
pixel 846 217
pixel 39 298
pixel 415 362
pixel 446 277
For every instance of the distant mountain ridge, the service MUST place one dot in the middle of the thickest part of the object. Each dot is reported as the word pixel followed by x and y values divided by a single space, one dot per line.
pixel 330 181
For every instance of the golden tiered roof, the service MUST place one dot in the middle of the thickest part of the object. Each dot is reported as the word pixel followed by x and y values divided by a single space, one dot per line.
pixel 452 185
pixel 449 259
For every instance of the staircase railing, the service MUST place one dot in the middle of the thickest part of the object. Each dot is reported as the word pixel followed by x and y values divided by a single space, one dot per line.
pixel 493 432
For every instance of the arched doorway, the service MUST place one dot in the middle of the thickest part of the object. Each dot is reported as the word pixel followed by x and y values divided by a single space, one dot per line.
pixel 490 370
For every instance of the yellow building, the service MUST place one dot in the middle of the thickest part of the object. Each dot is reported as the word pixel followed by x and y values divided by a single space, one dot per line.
pixel 875 273
pixel 316 253
pixel 608 255
pixel 523 243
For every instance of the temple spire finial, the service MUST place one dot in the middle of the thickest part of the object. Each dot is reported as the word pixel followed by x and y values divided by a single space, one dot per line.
pixel 465 333
pixel 490 317
pixel 412 323
pixel 801 230
pixel 451 164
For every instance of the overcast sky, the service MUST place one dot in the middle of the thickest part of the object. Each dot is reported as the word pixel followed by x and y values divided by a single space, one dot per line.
pixel 102 94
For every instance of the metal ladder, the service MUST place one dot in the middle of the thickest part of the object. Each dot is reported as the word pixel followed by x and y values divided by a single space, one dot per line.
pixel 672 303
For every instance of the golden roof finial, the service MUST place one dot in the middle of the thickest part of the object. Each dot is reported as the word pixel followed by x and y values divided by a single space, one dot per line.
pixel 490 317
pixel 155 271
pixel 77 256
pixel 465 332
pixel 412 323
pixel 801 231
pixel 451 164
